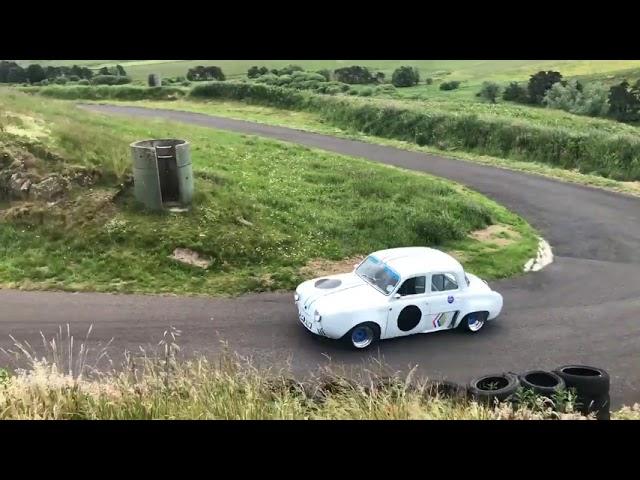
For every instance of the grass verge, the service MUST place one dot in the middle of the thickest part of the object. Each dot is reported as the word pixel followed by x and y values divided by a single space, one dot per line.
pixel 66 384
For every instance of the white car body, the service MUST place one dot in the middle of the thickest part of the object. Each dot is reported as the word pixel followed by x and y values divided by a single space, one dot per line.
pixel 438 296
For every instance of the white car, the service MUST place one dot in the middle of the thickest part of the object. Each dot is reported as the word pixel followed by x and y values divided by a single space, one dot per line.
pixel 394 293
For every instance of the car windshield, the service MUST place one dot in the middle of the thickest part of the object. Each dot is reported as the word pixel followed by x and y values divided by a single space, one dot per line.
pixel 379 274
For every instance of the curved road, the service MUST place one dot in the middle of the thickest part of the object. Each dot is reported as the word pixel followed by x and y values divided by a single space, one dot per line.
pixel 583 308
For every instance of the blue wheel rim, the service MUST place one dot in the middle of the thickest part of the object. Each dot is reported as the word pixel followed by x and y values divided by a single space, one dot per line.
pixel 362 337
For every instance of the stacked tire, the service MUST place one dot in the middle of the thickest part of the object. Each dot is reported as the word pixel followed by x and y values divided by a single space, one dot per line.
pixel 591 385
pixel 592 388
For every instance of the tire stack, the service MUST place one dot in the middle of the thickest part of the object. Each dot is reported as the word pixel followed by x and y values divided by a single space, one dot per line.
pixel 591 385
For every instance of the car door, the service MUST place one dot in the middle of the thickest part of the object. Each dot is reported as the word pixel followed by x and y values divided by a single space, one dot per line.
pixel 408 308
pixel 444 301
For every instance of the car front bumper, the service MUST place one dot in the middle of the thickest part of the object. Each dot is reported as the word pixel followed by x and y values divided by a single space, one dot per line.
pixel 307 320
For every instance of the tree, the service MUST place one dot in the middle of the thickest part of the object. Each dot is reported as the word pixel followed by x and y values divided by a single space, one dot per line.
pixel 201 73
pixel 35 73
pixel 104 71
pixel 624 102
pixel 515 92
pixel 253 72
pixel 353 75
pixel 540 83
pixel 489 91
pixel 405 76
pixel 17 74
pixel 5 67
pixel 86 73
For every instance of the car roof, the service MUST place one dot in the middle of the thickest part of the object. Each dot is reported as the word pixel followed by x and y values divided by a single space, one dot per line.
pixel 409 261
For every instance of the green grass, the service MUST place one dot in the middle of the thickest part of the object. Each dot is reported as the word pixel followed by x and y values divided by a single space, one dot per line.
pixel 303 204
pixel 313 122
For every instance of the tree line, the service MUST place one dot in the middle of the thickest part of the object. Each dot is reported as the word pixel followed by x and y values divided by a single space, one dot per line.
pixel 11 72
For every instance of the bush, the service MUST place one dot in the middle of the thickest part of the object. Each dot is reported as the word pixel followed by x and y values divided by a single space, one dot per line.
pixel 451 85
pixel 624 102
pixel 405 76
pixel 613 156
pixel 540 83
pixel 325 73
pixel 573 97
pixel 116 92
pixel 60 81
pixel 489 91
pixel 366 92
pixel 386 88
pixel 43 83
pixel 255 72
pixel 74 78
pixel 353 75
pixel 35 73
pixel 84 81
pixel 289 69
pixel 110 80
pixel 201 74
pixel 428 80
pixel 515 93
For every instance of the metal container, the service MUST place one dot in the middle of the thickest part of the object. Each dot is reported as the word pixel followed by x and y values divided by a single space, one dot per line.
pixel 162 173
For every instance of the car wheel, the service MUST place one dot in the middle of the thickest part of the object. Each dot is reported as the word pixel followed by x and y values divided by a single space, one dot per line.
pixel 362 336
pixel 473 322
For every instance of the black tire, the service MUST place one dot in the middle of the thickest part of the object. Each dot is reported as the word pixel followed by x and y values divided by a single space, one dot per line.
pixel 350 341
pixel 497 387
pixel 602 407
pixel 541 382
pixel 589 382
pixel 446 389
pixel 464 323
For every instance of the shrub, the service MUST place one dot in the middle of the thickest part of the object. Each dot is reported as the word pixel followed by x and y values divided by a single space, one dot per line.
pixel 624 102
pixel 289 69
pixel 74 78
pixel 428 80
pixel 61 81
pixel 110 80
pixel 386 88
pixel 451 85
pixel 16 75
pixel 84 81
pixel 116 92
pixel 353 75
pixel 405 76
pixel 489 91
pixel 366 92
pixel 43 83
pixel 614 156
pixel 514 92
pixel 325 73
pixel 201 73
pixel 540 83
pixel 573 97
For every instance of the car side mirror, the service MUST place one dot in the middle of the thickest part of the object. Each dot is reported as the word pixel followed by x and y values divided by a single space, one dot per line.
pixel 397 296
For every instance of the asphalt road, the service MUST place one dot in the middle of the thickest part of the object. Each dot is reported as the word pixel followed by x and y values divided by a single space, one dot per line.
pixel 583 308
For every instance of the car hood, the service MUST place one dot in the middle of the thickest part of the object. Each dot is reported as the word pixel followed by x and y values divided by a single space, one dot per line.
pixel 338 293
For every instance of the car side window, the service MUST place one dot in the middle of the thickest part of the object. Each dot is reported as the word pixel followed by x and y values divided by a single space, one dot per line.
pixel 442 282
pixel 413 286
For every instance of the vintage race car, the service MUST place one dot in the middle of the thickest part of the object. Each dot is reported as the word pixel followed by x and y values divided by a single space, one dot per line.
pixel 393 293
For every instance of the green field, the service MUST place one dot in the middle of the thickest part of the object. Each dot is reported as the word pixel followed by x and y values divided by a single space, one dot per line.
pixel 256 214
pixel 471 72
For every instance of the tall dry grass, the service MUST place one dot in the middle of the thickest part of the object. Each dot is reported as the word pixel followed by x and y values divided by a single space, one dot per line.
pixel 69 380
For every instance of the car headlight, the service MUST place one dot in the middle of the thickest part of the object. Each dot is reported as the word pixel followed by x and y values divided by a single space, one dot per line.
pixel 316 316
pixel 296 297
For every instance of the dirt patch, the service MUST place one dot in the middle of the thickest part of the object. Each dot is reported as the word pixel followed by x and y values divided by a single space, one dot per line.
pixel 189 257
pixel 500 235
pixel 321 267
pixel 458 255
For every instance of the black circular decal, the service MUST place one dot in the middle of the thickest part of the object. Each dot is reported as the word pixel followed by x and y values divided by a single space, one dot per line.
pixel 327 283
pixel 409 318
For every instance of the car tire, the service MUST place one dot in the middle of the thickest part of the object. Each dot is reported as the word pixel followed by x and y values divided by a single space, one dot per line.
pixel 592 388
pixel 362 336
pixel 591 382
pixel 491 388
pixel 473 322
pixel 541 382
